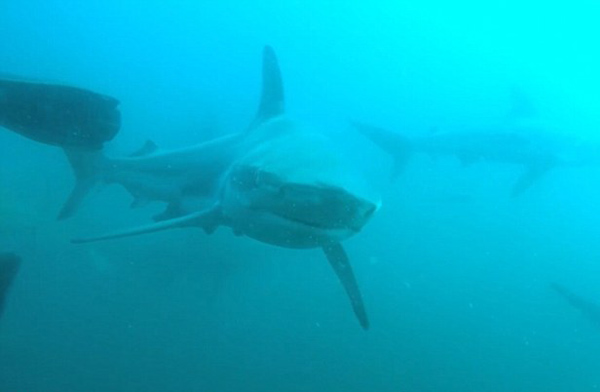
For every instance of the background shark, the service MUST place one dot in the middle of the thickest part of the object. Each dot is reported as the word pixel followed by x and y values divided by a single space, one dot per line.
pixel 522 138
pixel 507 146
pixel 279 182
pixel 9 266
pixel 459 292
pixel 59 115
pixel 589 309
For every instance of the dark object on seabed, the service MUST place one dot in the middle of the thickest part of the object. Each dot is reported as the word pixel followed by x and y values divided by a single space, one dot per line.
pixel 9 266
pixel 58 115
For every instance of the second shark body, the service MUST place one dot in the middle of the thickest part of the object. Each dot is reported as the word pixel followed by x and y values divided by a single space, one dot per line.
pixel 509 146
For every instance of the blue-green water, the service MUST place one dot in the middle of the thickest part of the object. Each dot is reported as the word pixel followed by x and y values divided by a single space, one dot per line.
pixel 455 273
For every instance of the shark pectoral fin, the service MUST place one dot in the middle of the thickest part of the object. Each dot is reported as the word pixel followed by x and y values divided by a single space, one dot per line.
pixel 531 175
pixel 9 266
pixel 206 219
pixel 341 265
pixel 590 310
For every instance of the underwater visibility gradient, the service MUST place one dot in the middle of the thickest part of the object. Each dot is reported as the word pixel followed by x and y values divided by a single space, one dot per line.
pixel 300 196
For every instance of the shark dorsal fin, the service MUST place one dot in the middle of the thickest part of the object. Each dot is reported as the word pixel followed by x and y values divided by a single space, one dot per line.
pixel 271 99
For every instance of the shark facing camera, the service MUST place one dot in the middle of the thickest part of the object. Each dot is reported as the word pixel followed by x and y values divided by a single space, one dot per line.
pixel 305 202
pixel 279 182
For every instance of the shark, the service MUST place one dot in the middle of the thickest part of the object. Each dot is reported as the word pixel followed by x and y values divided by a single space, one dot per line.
pixel 9 266
pixel 512 145
pixel 279 181
pixel 58 114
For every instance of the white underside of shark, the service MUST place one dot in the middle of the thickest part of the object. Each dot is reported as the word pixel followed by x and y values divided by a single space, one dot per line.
pixel 278 182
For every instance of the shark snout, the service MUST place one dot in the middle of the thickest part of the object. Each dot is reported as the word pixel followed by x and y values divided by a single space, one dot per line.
pixel 317 205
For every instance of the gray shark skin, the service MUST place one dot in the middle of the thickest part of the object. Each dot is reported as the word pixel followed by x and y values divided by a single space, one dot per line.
pixel 279 182
pixel 504 146
pixel 590 310
pixel 9 266
pixel 58 115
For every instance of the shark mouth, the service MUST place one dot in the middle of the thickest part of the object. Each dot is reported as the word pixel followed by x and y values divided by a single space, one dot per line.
pixel 323 207
pixel 319 206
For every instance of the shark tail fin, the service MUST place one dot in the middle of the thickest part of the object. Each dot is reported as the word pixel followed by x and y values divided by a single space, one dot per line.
pixel 86 167
pixel 395 144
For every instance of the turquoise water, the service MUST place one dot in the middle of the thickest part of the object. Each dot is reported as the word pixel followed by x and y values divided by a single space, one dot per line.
pixel 454 272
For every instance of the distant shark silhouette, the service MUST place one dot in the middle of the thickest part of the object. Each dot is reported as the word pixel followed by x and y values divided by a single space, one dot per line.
pixel 590 310
pixel 9 266
pixel 469 147
pixel 521 139
pixel 278 182
pixel 56 114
